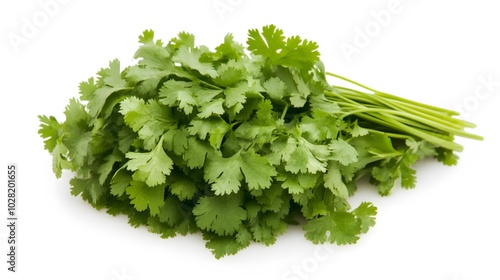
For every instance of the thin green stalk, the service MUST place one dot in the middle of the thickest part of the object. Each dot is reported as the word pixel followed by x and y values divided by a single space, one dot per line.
pixel 390 134
pixel 349 80
pixel 390 96
pixel 442 119
pixel 283 114
pixel 434 108
pixel 416 120
pixel 415 108
pixel 444 122
pixel 425 121
pixel 447 144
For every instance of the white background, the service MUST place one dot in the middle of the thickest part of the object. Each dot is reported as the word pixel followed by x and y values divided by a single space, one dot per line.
pixel 445 229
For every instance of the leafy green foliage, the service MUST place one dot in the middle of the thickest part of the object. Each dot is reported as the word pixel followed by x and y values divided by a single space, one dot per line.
pixel 220 214
pixel 145 197
pixel 235 143
pixel 226 174
pixel 150 167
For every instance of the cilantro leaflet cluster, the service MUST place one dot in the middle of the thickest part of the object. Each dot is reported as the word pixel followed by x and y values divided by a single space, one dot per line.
pixel 239 143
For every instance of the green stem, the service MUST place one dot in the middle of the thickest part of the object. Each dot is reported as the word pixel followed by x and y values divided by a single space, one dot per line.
pixel 283 114
pixel 409 108
pixel 349 80
pixel 390 134
pixel 431 123
pixel 447 144
pixel 421 105
pixel 390 96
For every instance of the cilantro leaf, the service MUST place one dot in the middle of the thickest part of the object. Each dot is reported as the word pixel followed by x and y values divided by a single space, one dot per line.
pixel 145 197
pixel 87 89
pixel 236 95
pixel 336 227
pixel 59 159
pixel 357 130
pixel 78 136
pixel 120 181
pixel 156 226
pixel 229 49
pixel 178 94
pixel 150 167
pixel 366 214
pixel 301 91
pixel 275 88
pixel 267 226
pixel 385 176
pixel 197 152
pixel 170 212
pixel 145 78
pixel 50 131
pixel 89 188
pixel 334 182
pixel 408 174
pixel 298 183
pixel 320 126
pixel 152 53
pixel 302 156
pixel 150 120
pixel 112 82
pixel 183 188
pixel 343 152
pixel 190 58
pixel 257 170
pixel 213 107
pixel 183 39
pixel 268 43
pixel 260 129
pixel 446 156
pixel 272 44
pixel 226 174
pixel 221 246
pixel 220 214
pixel 230 73
pixel 214 126
pixel 107 166
pixel 176 140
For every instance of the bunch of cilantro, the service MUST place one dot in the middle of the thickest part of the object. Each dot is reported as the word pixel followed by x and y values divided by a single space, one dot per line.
pixel 238 143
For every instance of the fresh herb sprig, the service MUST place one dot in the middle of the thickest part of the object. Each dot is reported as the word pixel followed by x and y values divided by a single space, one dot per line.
pixel 239 143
